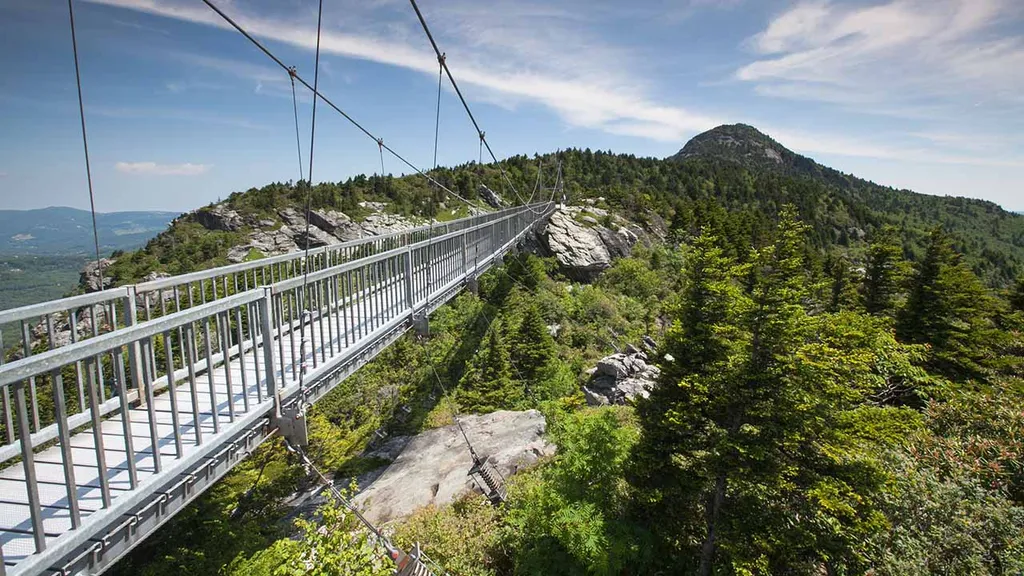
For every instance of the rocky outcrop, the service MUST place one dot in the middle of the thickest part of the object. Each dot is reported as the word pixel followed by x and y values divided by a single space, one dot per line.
pixel 583 248
pixel 383 223
pixel 337 224
pixel 619 378
pixel 432 468
pixel 89 278
pixel 218 217
pixel 491 197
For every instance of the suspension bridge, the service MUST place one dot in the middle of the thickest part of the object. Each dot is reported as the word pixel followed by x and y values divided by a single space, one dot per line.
pixel 122 406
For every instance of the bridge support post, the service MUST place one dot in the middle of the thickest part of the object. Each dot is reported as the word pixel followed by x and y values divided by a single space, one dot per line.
pixel 268 348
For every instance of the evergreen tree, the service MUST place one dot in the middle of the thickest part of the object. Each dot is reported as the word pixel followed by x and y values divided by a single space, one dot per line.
pixel 1016 297
pixel 703 340
pixel 533 348
pixel 949 310
pixel 487 385
pixel 746 447
pixel 842 284
pixel 885 273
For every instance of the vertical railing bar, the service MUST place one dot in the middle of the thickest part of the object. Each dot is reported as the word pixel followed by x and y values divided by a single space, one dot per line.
pixel 277 305
pixel 241 357
pixel 27 343
pixel 172 393
pixel 8 417
pixel 251 313
pixel 190 353
pixel 60 414
pixel 154 433
pixel 97 433
pixel 29 465
pixel 208 348
pixel 223 329
pixel 73 324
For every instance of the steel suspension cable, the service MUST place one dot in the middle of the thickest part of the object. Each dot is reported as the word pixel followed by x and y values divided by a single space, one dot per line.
pixel 377 533
pixel 465 104
pixel 317 94
pixel 85 145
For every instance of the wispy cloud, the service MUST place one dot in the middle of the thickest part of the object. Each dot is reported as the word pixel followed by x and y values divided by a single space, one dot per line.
pixel 154 169
pixel 583 81
pixel 904 53
pixel 3 174
pixel 557 56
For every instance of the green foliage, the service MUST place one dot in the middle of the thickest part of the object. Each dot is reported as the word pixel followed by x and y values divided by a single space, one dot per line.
pixel 334 544
pixel 461 537
pixel 951 311
pixel 565 518
pixel 746 460
pixel 885 273
pixel 488 384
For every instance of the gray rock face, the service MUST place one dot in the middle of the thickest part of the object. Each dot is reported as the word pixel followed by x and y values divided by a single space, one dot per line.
pixel 382 223
pixel 89 278
pixel 584 251
pixel 272 242
pixel 620 378
pixel 218 217
pixel 432 468
pixel 491 197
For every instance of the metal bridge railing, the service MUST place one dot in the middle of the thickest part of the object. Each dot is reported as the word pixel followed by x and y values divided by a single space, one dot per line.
pixel 58 323
pixel 90 424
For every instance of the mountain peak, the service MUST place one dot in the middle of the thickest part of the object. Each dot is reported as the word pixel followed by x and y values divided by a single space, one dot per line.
pixel 748 146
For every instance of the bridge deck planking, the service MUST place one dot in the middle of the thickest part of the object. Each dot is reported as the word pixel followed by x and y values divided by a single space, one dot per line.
pixel 15 521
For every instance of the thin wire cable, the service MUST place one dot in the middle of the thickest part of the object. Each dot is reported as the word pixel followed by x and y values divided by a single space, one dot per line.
pixel 451 78
pixel 317 94
pixel 437 119
pixel 295 109
pixel 305 302
pixel 378 534
pixel 85 145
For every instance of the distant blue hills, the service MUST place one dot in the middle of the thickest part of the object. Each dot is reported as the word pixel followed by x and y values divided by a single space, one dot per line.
pixel 63 231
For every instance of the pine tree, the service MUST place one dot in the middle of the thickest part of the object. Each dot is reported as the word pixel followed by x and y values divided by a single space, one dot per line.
pixel 885 273
pixel 1016 297
pixel 950 310
pixel 702 344
pixel 744 440
pixel 533 348
pixel 487 385
pixel 842 284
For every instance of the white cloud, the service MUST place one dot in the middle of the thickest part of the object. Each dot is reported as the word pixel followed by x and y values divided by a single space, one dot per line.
pixel 3 174
pixel 154 169
pixel 554 56
pixel 904 53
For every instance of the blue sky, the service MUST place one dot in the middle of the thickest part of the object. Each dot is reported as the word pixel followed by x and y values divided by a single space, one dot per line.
pixel 923 94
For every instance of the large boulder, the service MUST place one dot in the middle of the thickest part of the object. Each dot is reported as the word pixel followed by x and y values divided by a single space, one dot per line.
pixel 90 277
pixel 218 217
pixel 432 468
pixel 382 223
pixel 619 378
pixel 491 197
pixel 583 248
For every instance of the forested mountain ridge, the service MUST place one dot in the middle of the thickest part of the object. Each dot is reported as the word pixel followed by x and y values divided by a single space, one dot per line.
pixel 63 231
pixel 733 177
